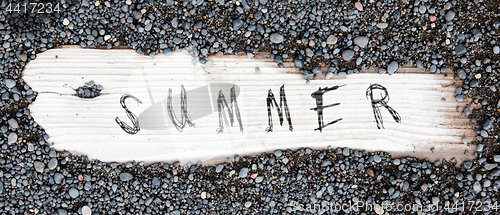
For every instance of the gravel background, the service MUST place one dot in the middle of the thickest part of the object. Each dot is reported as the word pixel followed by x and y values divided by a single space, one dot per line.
pixel 343 35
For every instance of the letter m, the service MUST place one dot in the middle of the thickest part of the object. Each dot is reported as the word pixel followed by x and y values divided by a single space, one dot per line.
pixel 272 101
pixel 221 102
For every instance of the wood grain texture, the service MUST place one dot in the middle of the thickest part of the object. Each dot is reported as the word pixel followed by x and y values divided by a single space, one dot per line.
pixel 431 118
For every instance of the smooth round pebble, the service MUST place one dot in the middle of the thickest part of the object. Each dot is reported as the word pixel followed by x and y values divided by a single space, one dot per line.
pixel 392 68
pixel 125 176
pixel 73 192
pixel 52 164
pixel 86 210
pixel 347 54
pixel 12 138
pixel 361 41
pixel 39 166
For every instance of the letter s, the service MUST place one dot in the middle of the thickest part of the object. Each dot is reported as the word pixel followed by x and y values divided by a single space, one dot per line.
pixel 131 116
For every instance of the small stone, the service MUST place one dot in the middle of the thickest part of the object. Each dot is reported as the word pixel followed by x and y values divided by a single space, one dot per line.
pixel 459 176
pixel 346 152
pixel 219 168
pixel 358 6
pixel 347 54
pixel 461 74
pixel 479 148
pixel 62 212
pixel 464 140
pixel 317 70
pixel 86 210
pixel 278 59
pixel 204 52
pixel 30 36
pixel 393 67
pixel 285 160
pixel 435 200
pixel 311 43
pixel 298 63
pixel 459 98
pixel 259 179
pixel 248 204
pixel 358 62
pixel 450 15
pixel 487 183
pixel 243 173
pixel 12 138
pixel 203 195
pixel 377 158
pixel 237 24
pixel 382 25
pixel 420 64
pixel 370 172
pixel 39 166
pixel 422 9
pixel 125 176
pixel 198 25
pixel 107 37
pixel 309 52
pixel 9 83
pixel 278 153
pixel 307 74
pixel 342 74
pixel 167 52
pixel 331 40
pixel 476 33
pixel 496 158
pixel 66 21
pixel 177 40
pixel 490 166
pixel 484 133
pixel 477 187
pixel 332 69
pixel 496 50
pixel 379 210
pixel 52 164
pixel 488 124
pixel 276 38
pixel 361 41
pixel 23 57
pixel 460 49
pixel 253 175
pixel 73 192
pixel 432 18
pixel 416 164
pixel 467 111
pixel 58 177
pixel 329 76
pixel 468 164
